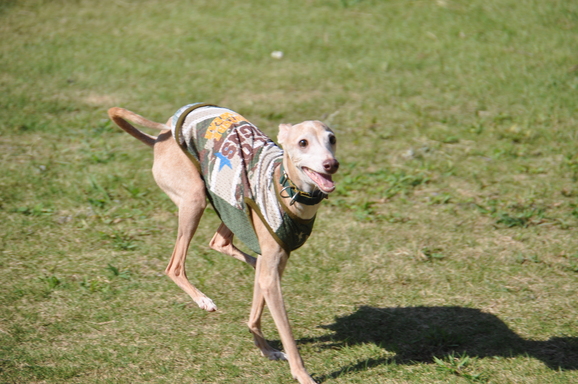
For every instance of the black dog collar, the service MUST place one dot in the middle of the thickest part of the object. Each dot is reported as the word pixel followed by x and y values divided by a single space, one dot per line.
pixel 298 195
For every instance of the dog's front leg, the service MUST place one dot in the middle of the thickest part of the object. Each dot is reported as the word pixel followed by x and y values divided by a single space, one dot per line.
pixel 255 323
pixel 222 242
pixel 269 270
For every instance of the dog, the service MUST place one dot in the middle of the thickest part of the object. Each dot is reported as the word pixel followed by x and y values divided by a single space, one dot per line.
pixel 266 196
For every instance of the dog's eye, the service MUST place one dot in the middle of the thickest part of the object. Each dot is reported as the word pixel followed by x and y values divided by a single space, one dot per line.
pixel 303 143
pixel 332 140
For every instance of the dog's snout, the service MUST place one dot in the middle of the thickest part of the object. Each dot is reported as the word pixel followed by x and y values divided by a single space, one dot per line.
pixel 331 166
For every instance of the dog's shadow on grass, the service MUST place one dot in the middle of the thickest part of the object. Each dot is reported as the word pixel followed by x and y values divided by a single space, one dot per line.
pixel 418 334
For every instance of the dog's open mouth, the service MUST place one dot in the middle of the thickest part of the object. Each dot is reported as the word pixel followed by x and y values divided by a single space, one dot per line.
pixel 323 181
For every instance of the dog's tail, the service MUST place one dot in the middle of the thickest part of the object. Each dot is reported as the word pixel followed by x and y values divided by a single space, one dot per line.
pixel 120 117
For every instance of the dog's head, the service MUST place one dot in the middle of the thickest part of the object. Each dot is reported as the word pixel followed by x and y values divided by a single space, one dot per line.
pixel 311 148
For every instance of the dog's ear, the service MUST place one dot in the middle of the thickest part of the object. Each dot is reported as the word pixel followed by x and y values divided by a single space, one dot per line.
pixel 283 132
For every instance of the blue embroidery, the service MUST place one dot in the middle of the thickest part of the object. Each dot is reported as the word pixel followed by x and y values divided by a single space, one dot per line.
pixel 223 161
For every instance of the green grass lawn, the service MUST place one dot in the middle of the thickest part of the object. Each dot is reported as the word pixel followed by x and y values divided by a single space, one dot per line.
pixel 447 254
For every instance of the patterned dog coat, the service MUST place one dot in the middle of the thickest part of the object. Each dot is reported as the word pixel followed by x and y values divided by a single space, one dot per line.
pixel 237 163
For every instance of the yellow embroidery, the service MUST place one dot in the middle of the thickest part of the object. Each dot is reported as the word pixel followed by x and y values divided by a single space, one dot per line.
pixel 221 123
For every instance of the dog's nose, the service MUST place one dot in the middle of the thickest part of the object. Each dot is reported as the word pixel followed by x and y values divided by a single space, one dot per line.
pixel 331 166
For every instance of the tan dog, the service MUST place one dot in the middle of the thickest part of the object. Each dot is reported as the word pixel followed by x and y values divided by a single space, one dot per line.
pixel 180 170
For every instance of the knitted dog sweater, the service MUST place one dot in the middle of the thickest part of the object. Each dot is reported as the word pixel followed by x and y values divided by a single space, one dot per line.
pixel 237 163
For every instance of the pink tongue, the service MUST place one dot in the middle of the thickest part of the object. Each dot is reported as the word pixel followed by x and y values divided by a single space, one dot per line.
pixel 324 182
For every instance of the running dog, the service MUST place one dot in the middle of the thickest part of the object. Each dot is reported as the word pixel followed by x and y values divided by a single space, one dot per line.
pixel 266 196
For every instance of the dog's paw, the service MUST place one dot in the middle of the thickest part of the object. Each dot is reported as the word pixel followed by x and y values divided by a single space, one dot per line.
pixel 304 379
pixel 275 355
pixel 206 304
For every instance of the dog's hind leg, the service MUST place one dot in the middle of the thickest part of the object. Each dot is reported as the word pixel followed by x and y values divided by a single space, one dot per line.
pixel 188 222
pixel 178 177
pixel 222 242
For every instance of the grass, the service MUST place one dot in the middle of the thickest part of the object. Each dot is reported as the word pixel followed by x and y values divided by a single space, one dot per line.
pixel 448 252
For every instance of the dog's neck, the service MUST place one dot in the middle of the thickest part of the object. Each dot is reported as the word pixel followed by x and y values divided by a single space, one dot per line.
pixel 303 211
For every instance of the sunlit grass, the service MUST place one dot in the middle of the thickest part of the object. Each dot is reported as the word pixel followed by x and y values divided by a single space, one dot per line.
pixel 448 252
